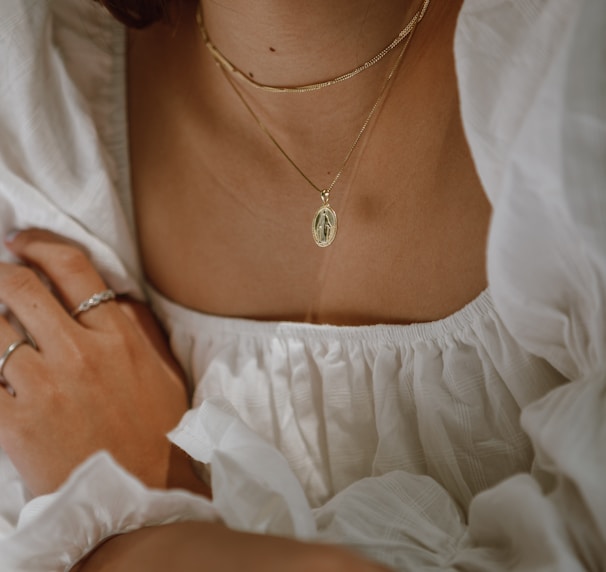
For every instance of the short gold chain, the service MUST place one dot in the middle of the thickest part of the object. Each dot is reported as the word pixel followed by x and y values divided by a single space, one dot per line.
pixel 227 65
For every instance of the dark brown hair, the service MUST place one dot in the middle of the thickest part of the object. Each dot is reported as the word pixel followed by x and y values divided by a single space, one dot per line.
pixel 138 13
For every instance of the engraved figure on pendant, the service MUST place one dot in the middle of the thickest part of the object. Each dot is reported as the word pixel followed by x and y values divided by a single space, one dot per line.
pixel 324 226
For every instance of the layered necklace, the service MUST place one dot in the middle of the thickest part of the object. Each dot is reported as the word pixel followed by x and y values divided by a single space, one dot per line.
pixel 324 224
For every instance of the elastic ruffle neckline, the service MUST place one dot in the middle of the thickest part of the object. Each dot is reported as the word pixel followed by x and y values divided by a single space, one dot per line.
pixel 479 308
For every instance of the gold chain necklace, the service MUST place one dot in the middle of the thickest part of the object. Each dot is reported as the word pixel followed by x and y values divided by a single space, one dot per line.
pixel 227 65
pixel 324 224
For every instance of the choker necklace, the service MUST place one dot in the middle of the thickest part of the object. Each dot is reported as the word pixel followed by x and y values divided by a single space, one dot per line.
pixel 324 224
pixel 227 65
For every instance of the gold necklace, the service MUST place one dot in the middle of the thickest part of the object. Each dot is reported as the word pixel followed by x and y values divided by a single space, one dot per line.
pixel 227 65
pixel 324 224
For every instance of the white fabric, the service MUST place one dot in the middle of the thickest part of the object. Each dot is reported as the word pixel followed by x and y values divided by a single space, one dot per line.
pixel 99 499
pixel 404 442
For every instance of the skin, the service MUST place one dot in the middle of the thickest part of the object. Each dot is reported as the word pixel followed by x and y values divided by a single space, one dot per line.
pixel 216 205
pixel 192 547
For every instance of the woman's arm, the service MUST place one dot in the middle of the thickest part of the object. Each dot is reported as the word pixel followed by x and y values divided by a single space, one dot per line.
pixel 201 546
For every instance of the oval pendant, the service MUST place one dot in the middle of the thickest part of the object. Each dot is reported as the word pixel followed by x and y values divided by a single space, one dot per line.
pixel 324 227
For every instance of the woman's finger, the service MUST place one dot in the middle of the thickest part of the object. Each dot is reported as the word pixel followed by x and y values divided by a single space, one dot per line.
pixel 71 272
pixel 32 304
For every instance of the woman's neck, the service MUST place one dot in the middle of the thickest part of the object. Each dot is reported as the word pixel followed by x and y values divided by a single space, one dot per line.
pixel 313 41
pixel 281 42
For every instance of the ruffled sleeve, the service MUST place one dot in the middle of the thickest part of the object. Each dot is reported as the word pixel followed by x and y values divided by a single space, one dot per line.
pixel 63 144
pixel 99 500
pixel 533 84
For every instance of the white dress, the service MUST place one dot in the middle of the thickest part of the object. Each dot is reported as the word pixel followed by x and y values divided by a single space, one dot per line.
pixel 477 442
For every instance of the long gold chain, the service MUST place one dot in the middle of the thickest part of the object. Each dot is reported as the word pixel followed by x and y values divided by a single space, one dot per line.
pixel 324 225
pixel 227 65
pixel 353 145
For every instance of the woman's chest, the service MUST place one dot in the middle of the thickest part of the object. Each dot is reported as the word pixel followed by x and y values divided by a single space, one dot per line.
pixel 232 241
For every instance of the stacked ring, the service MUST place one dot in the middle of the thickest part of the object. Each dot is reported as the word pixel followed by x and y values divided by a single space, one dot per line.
pixel 28 340
pixel 93 301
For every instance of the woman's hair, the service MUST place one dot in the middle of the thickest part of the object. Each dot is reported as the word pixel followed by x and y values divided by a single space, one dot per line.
pixel 138 13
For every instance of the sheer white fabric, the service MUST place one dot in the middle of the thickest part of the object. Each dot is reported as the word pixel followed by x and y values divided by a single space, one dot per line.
pixel 472 443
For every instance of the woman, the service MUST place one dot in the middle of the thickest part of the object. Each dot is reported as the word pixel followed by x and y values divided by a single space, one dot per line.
pixel 317 257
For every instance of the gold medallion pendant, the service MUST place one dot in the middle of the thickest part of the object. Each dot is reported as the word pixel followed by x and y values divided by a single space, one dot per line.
pixel 324 226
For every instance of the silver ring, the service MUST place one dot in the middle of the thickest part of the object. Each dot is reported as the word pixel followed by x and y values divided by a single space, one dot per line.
pixel 93 301
pixel 7 354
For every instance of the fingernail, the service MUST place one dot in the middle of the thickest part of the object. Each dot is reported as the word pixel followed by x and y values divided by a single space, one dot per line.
pixel 10 237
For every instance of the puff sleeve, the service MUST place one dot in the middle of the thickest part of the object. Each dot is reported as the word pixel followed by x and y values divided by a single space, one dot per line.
pixel 534 107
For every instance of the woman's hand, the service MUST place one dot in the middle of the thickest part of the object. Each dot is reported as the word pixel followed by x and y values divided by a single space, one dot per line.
pixel 211 547
pixel 102 380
